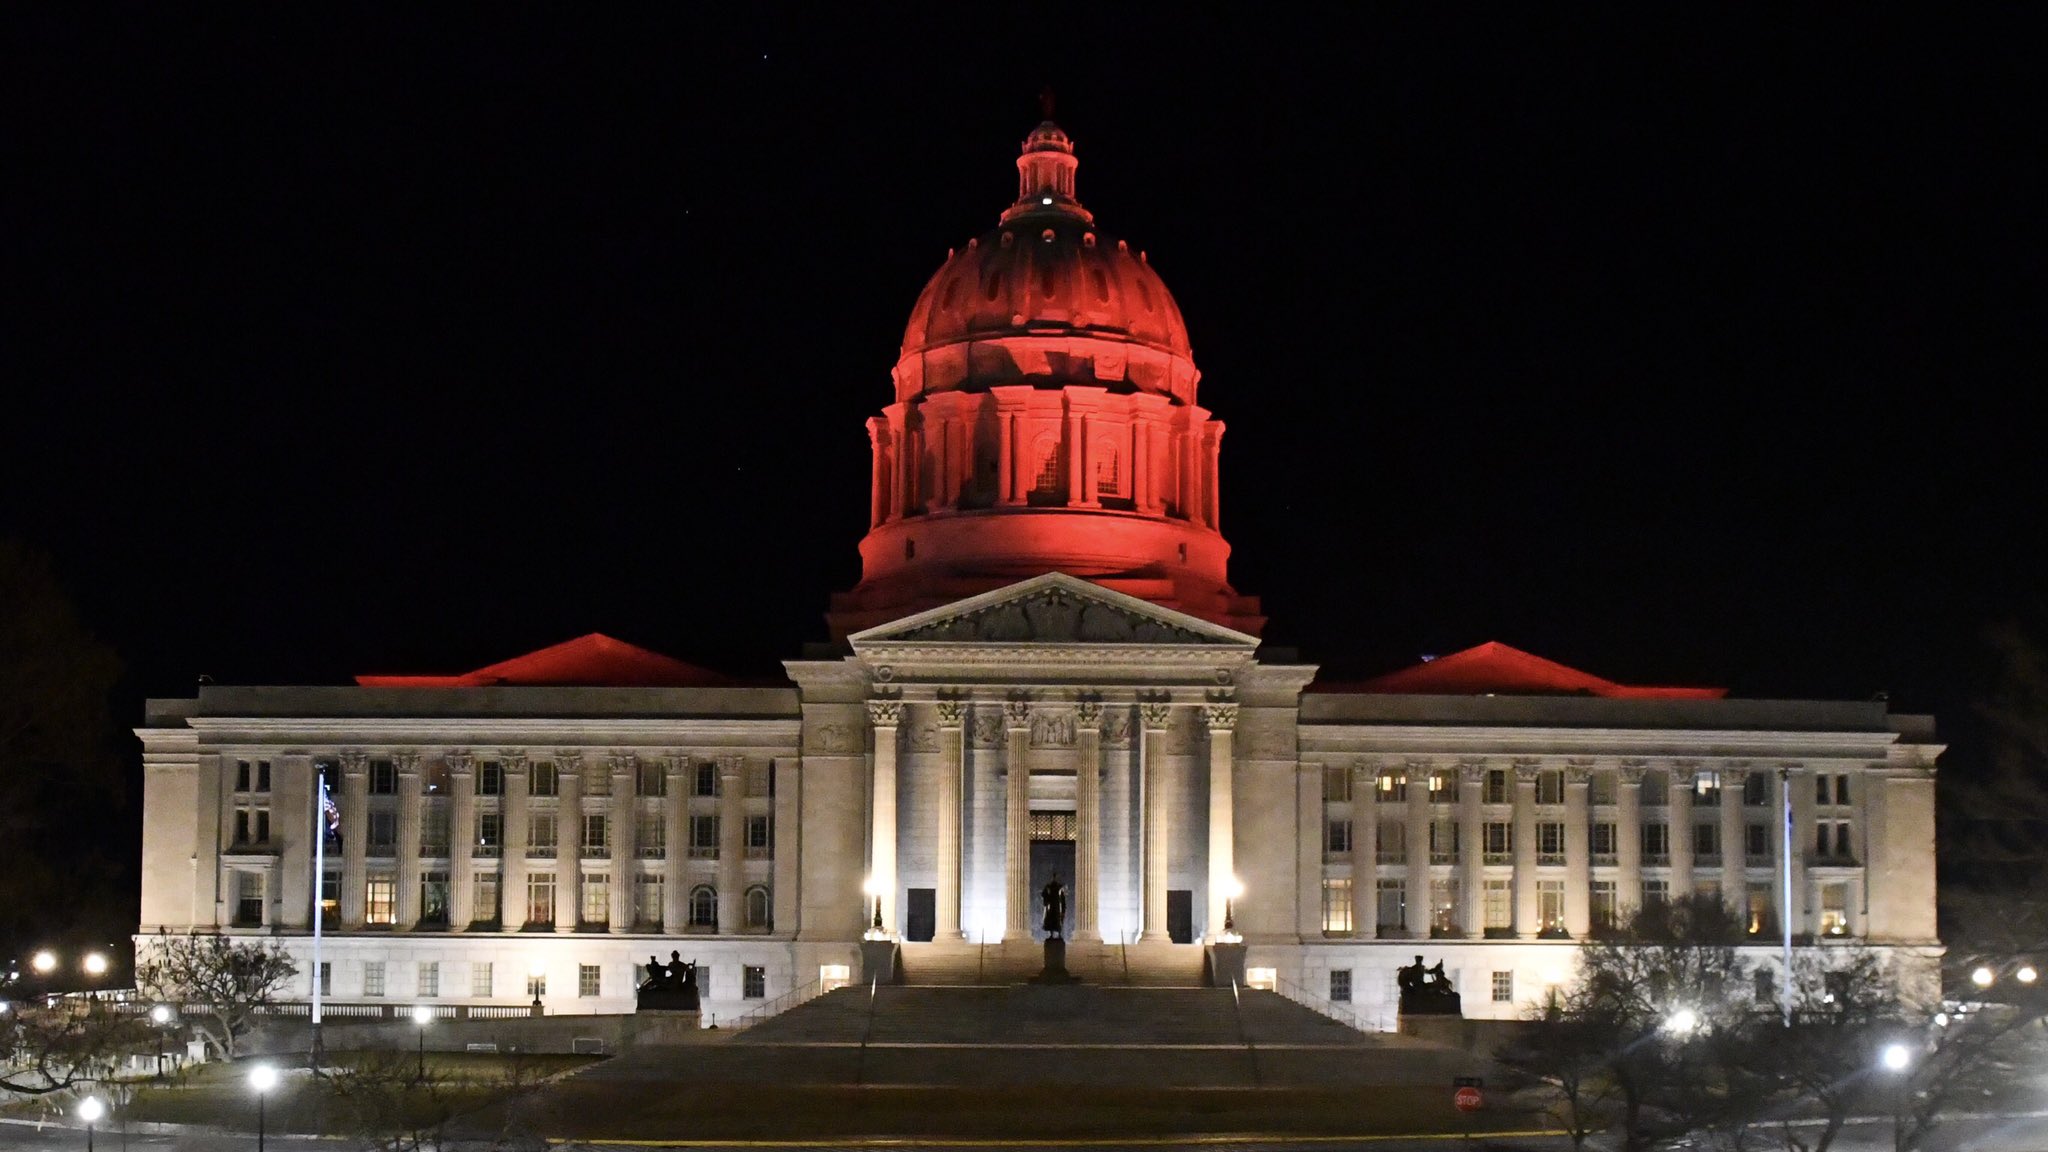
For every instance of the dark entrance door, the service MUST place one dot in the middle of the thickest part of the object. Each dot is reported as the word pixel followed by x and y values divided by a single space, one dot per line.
pixel 921 918
pixel 1050 858
pixel 1180 915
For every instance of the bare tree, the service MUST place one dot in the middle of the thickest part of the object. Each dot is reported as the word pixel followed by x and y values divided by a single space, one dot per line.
pixel 52 1045
pixel 1845 1010
pixel 1561 1057
pixel 221 985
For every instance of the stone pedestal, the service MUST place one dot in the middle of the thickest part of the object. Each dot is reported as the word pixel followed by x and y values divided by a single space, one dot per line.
pixel 1226 965
pixel 1055 969
pixel 878 962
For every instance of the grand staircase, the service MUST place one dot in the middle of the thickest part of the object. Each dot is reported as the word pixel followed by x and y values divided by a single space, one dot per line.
pixel 959 963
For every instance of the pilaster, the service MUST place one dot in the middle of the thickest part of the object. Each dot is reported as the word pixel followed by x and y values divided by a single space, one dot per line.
pixel 884 716
pixel 1221 720
pixel 568 841
pixel 675 831
pixel 461 840
pixel 512 808
pixel 1524 834
pixel 1088 820
pixel 952 738
pixel 1155 716
pixel 1421 897
pixel 355 837
pixel 1578 865
pixel 1682 780
pixel 1017 817
pixel 625 839
pixel 1472 847
pixel 1734 879
pixel 1365 833
pixel 1628 844
pixel 732 843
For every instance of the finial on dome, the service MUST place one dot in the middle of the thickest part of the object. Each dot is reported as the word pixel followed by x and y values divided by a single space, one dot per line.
pixel 1045 102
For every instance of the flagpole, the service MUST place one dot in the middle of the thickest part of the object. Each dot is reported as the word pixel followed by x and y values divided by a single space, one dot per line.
pixel 319 905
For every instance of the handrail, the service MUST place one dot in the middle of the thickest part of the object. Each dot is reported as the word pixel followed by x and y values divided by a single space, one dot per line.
pixel 860 1074
pixel 1123 949
pixel 779 1005
pixel 981 960
pixel 1244 1035
pixel 1317 1004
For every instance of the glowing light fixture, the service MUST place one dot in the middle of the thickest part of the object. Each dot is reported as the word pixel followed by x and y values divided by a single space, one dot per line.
pixel 44 962
pixel 1982 977
pixel 1047 200
pixel 263 1078
pixel 91 1109
pixel 160 1015
pixel 1682 1022
pixel 2026 974
pixel 1896 1057
pixel 95 964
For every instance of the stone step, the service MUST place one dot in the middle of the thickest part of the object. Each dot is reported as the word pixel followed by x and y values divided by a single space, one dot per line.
pixel 950 963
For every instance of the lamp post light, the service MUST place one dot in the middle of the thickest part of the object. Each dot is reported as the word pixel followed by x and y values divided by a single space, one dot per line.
pixel 95 964
pixel 422 1016
pixel 1231 894
pixel 43 962
pixel 90 1110
pixel 262 1078
pixel 2026 974
pixel 161 1017
pixel 1682 1022
pixel 537 982
pixel 1982 976
pixel 1897 1058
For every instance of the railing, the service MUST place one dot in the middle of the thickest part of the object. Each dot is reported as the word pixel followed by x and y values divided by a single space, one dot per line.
pixel 1314 1003
pixel 484 852
pixel 653 852
pixel 1657 859
pixel 1549 859
pixel 760 852
pixel 703 852
pixel 1603 859
pixel 1707 860
pixel 779 1005
pixel 1394 857
pixel 597 851
pixel 1497 857
pixel 540 851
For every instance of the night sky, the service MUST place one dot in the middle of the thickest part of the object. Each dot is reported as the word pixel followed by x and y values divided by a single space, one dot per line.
pixel 1680 351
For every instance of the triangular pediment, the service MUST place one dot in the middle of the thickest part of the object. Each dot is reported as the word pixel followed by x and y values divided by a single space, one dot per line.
pixel 1053 609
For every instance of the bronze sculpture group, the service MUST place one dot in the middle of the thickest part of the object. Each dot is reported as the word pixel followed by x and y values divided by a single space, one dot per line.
pixel 1427 991
pixel 669 987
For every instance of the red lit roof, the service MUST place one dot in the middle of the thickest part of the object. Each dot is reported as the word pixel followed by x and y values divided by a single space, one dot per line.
pixel 1494 668
pixel 593 661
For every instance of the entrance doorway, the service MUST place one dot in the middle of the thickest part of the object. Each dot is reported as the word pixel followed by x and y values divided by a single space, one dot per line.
pixel 1052 856
pixel 921 917
pixel 1180 915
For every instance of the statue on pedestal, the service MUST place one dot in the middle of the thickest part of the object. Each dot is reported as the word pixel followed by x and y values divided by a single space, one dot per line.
pixel 670 987
pixel 1054 897
pixel 1427 991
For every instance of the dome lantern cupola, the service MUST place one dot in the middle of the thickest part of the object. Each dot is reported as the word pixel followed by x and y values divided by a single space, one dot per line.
pixel 1045 174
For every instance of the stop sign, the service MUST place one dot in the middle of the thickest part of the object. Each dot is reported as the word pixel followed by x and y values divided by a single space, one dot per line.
pixel 1468 1099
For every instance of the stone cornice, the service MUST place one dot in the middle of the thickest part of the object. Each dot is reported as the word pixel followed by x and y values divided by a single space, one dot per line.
pixel 297 733
pixel 1565 741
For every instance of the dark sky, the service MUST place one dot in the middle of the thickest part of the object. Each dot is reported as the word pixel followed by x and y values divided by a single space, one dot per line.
pixel 1681 350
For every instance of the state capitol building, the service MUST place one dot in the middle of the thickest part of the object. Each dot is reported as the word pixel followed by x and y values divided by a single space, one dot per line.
pixel 1043 673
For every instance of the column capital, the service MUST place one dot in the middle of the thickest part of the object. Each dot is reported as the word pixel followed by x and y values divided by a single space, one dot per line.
pixel 407 762
pixel 952 711
pixel 731 765
pixel 512 758
pixel 354 762
pixel 885 713
pixel 1219 717
pixel 1734 774
pixel 1684 773
pixel 459 763
pixel 1526 771
pixel 568 761
pixel 622 761
pixel 1156 714
pixel 1088 709
pixel 1471 772
pixel 1579 773
pixel 1633 771
pixel 1017 713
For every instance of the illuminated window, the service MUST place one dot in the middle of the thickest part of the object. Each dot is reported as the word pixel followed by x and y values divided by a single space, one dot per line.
pixel 540 898
pixel 597 898
pixel 1763 917
pixel 1443 787
pixel 1503 987
pixel 1443 906
pixel 1706 784
pixel 486 901
pixel 1337 905
pixel 433 899
pixel 1393 786
pixel 1500 906
pixel 380 894
pixel 831 976
pixel 647 898
pixel 1263 979
pixel 1550 905
pixel 1834 909
pixel 1603 903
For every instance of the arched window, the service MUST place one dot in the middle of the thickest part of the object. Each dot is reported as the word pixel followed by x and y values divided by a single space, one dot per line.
pixel 757 908
pixel 703 906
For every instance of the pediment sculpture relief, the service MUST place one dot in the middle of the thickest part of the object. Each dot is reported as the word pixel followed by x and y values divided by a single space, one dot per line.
pixel 1055 615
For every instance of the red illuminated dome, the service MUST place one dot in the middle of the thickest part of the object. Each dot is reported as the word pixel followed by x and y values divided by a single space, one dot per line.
pixel 1045 420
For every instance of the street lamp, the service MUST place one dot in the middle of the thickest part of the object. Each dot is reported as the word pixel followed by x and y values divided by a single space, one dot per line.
pixel 1231 893
pixel 1982 977
pixel 536 981
pixel 44 962
pixel 1896 1058
pixel 262 1078
pixel 95 964
pixel 422 1016
pixel 161 1017
pixel 1682 1022
pixel 2026 974
pixel 90 1110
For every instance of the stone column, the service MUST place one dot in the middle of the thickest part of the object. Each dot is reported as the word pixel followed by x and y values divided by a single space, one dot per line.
pixel 461 840
pixel 1472 847
pixel 512 850
pixel 675 852
pixel 1156 717
pixel 1578 864
pixel 787 830
pixel 884 715
pixel 1681 831
pixel 732 848
pixel 1365 834
pixel 1420 897
pixel 625 845
pixel 408 910
pixel 1088 820
pixel 952 741
pixel 1734 880
pixel 1017 818
pixel 1076 493
pixel 1628 833
pixel 1524 834
pixel 1221 720
pixel 568 841
pixel 355 838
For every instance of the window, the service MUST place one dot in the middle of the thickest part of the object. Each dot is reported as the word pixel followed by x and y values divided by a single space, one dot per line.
pixel 1336 785
pixel 587 979
pixel 1550 842
pixel 753 982
pixel 1602 840
pixel 759 910
pixel 1337 905
pixel 383 778
pixel 1831 840
pixel 1603 904
pixel 429 980
pixel 327 977
pixel 536 986
pixel 1834 909
pixel 1831 788
pixel 540 898
pixel 373 977
pixel 1763 920
pixel 1497 786
pixel 704 837
pixel 597 838
pixel 650 779
pixel 383 835
pixel 1392 913
pixel 540 835
pixel 1708 891
pixel 433 899
pixel 330 898
pixel 1443 841
pixel 490 779
pixel 490 834
pixel 1706 785
pixel 434 829
pixel 1500 906
pixel 1337 837
pixel 1393 840
pixel 248 899
pixel 380 899
pixel 1842 789
pixel 760 837
pixel 1756 790
pixel 1756 843
pixel 1503 987
pixel 650 832
pixel 1656 893
pixel 1340 985
pixel 480 980
pixel 241 775
pixel 1550 906
pixel 486 900
pixel 1706 840
pixel 1765 985
pixel 1443 906
pixel 1657 843
pixel 544 779
pixel 647 901
pixel 1602 788
pixel 703 907
pixel 1499 838
pixel 1443 787
pixel 761 779
pixel 598 783
pixel 707 780
pixel 1550 787
pixel 252 826
pixel 250 778
pixel 597 898
pixel 1393 786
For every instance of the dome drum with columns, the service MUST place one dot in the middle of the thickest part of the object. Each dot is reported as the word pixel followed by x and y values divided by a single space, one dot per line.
pixel 1045 420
